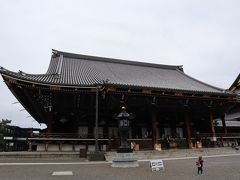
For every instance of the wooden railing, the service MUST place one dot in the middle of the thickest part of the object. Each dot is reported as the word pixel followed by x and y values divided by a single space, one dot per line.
pixel 68 135
pixel 219 135
pixel 105 136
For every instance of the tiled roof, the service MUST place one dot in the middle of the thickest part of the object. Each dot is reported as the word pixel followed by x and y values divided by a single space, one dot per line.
pixel 79 70
pixel 236 84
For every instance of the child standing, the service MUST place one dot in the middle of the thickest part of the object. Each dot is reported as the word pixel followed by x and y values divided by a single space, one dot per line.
pixel 199 164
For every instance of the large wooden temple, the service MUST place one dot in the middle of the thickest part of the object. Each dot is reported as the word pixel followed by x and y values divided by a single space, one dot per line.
pixel 170 107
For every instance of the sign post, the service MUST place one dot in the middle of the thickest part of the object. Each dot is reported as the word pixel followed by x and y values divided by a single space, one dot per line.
pixel 157 165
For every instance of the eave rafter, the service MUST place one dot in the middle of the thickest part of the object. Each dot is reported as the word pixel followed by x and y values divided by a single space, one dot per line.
pixel 52 87
pixel 114 89
pixel 171 94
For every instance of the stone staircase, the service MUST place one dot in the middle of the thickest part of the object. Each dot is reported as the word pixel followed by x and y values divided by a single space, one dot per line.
pixel 179 153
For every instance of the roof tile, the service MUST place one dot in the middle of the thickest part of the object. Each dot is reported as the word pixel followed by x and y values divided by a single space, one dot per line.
pixel 81 70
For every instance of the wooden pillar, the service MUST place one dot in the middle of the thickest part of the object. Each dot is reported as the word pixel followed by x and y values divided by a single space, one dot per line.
pixel 154 128
pixel 73 146
pixel 212 125
pixel 224 124
pixel 49 126
pixel 90 129
pixel 30 146
pixel 31 132
pixel 105 130
pixel 60 146
pixel 46 146
pixel 188 129
pixel 212 129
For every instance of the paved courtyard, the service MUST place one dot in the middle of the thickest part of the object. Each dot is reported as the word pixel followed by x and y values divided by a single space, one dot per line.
pixel 219 168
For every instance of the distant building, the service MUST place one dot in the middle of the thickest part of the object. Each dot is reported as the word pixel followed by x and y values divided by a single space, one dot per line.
pixel 16 138
pixel 232 117
pixel 235 87
pixel 234 111
pixel 168 103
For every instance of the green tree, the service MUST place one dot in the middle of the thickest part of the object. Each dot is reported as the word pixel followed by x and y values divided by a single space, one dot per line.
pixel 3 124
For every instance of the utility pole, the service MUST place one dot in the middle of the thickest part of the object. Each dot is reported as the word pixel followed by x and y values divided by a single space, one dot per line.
pixel 96 120
pixel 96 155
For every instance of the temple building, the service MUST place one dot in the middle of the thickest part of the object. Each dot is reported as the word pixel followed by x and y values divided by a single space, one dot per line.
pixel 80 93
pixel 235 87
pixel 232 116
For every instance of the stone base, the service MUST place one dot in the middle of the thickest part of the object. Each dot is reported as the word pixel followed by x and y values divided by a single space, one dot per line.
pixel 125 160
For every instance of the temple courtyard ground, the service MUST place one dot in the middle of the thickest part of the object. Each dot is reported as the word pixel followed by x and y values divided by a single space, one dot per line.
pixel 215 167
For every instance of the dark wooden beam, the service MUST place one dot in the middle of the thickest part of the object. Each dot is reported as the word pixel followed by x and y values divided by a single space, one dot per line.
pixel 224 124
pixel 188 129
pixel 154 128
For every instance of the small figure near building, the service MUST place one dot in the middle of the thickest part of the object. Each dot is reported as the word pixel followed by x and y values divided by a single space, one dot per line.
pixel 199 164
pixel 133 145
pixel 167 140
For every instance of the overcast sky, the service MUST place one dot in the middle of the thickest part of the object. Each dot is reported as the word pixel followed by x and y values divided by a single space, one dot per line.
pixel 201 35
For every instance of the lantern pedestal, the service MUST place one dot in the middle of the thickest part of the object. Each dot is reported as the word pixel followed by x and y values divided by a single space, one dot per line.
pixel 124 157
pixel 124 147
pixel 124 150
pixel 125 160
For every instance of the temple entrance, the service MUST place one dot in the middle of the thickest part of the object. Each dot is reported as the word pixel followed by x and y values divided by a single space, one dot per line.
pixel 169 122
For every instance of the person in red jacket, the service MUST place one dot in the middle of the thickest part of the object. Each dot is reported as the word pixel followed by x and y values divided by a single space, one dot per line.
pixel 199 164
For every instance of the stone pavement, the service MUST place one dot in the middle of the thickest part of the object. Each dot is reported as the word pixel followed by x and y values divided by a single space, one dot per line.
pixel 178 153
pixel 172 153
pixel 215 168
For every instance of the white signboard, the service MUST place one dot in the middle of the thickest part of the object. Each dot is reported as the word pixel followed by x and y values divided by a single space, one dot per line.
pixel 213 138
pixel 156 165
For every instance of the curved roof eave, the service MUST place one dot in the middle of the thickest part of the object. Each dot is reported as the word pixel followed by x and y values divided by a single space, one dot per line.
pixel 217 88
pixel 235 83
pixel 19 77
pixel 45 83
pixel 225 93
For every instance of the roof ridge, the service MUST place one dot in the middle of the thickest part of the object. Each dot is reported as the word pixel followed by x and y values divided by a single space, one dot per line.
pixel 113 60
